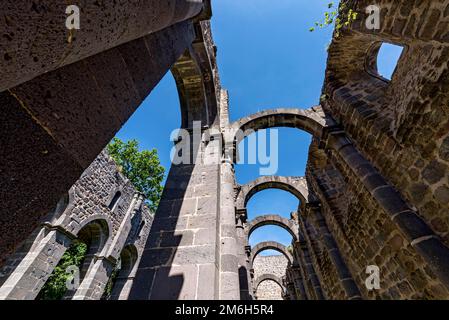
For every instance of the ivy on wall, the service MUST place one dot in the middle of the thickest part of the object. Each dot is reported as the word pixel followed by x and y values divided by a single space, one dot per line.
pixel 341 15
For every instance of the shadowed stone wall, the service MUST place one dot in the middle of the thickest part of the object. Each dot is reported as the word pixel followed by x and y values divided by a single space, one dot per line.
pixel 400 126
pixel 61 86
pixel 102 208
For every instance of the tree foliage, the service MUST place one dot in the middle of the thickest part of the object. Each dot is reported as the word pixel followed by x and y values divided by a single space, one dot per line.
pixel 341 15
pixel 55 287
pixel 142 168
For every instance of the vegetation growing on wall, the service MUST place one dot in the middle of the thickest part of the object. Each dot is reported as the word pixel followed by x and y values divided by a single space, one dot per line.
pixel 341 15
pixel 55 287
pixel 142 168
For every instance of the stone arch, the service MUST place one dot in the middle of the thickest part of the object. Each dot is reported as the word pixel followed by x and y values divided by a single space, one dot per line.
pixel 295 185
pixel 270 245
pixel 311 120
pixel 97 224
pixel 128 259
pixel 195 74
pixel 266 277
pixel 96 234
pixel 289 225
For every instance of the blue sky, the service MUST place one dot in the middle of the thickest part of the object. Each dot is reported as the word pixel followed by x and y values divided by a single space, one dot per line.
pixel 267 58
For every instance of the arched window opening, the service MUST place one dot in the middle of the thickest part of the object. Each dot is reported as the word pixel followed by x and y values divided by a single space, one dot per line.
pixel 387 59
pixel 75 261
pixel 118 285
pixel 55 287
pixel 113 204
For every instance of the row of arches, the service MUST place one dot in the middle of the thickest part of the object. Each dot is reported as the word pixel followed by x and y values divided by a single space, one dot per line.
pixel 313 122
pixel 83 254
pixel 296 187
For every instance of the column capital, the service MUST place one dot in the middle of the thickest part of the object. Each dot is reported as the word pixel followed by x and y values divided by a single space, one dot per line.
pixel 241 217
pixel 336 140
pixel 325 134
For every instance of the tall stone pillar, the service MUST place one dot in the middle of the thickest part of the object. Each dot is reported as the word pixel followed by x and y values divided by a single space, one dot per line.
pixel 298 282
pixel 26 281
pixel 229 244
pixel 229 275
pixel 305 248
pixel 243 257
pixel 180 260
pixel 94 282
pixel 345 276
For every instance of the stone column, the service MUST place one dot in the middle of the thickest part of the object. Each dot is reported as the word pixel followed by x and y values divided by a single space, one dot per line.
pixel 26 281
pixel 229 269
pixel 94 282
pixel 421 237
pixel 306 248
pixel 243 257
pixel 181 256
pixel 298 282
pixel 299 264
pixel 345 276
pixel 124 282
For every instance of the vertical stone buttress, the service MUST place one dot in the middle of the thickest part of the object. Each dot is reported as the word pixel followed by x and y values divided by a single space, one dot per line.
pixel 304 248
pixel 352 291
pixel 233 219
pixel 229 276
pixel 180 257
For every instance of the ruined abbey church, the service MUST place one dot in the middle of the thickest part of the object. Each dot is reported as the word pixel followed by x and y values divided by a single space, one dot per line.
pixel 375 196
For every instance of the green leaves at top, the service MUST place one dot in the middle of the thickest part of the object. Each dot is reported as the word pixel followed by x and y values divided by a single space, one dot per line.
pixel 142 168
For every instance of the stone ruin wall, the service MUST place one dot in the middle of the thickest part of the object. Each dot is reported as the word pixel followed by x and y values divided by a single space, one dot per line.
pixel 276 265
pixel 87 201
pixel 400 126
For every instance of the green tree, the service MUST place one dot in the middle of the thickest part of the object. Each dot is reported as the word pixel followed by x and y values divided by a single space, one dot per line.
pixel 341 15
pixel 142 168
pixel 55 287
